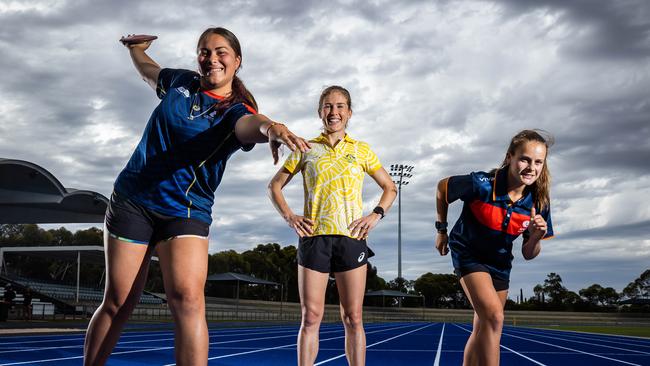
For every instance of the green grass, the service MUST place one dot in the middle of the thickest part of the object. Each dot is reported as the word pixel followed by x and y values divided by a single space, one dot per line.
pixel 617 330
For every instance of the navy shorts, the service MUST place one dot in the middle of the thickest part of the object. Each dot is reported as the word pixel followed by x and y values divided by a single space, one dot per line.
pixel 465 263
pixel 332 253
pixel 131 222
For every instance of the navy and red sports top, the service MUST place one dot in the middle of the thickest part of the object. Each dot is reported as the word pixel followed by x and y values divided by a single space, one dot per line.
pixel 179 162
pixel 490 222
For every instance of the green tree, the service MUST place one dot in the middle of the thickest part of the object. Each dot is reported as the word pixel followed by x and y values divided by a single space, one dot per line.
pixel 439 290
pixel 591 293
pixel 92 236
pixel 61 236
pixel 639 288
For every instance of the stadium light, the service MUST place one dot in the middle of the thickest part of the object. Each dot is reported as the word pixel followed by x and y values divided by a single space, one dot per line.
pixel 400 174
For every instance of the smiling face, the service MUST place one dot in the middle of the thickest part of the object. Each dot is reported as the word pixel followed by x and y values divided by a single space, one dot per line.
pixel 525 165
pixel 218 63
pixel 335 112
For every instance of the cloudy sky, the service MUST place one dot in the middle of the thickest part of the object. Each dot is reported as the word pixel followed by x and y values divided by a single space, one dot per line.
pixel 440 85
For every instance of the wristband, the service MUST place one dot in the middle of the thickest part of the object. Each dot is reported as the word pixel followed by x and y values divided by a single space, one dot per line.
pixel 441 226
pixel 379 211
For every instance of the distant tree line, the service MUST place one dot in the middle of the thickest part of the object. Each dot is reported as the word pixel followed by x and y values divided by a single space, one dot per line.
pixel 275 263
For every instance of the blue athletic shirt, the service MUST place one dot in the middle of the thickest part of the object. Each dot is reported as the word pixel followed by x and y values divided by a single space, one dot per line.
pixel 489 222
pixel 179 162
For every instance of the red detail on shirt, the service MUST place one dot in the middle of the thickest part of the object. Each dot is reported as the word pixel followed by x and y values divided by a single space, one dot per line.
pixel 250 109
pixel 213 95
pixel 493 217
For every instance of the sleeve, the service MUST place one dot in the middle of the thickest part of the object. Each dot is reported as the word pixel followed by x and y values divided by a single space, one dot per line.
pixel 460 187
pixel 172 78
pixel 371 163
pixel 293 162
pixel 233 114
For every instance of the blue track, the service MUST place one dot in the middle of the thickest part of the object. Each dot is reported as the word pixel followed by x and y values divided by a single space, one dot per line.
pixel 409 344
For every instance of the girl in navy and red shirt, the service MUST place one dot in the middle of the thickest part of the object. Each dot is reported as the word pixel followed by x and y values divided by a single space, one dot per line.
pixel 498 207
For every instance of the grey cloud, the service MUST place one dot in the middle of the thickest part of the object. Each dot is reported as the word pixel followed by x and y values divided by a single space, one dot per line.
pixel 614 29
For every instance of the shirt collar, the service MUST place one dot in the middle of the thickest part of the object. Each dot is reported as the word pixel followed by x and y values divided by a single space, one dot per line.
pixel 323 138
pixel 500 189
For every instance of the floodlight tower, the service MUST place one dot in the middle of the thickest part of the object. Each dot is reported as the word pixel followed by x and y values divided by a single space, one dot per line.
pixel 400 173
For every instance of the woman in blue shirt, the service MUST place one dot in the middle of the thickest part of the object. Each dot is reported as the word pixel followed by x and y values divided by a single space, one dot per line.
pixel 162 199
pixel 498 207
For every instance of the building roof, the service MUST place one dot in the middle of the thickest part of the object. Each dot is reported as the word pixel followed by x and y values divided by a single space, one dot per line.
pixel 389 293
pixel 239 277
pixel 29 194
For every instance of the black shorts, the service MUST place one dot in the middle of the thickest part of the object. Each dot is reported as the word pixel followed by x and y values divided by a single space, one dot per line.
pixel 499 281
pixel 129 221
pixel 332 253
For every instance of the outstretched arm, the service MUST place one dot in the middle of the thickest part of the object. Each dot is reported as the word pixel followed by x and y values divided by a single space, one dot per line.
pixel 361 227
pixel 442 239
pixel 147 67
pixel 256 128
pixel 301 224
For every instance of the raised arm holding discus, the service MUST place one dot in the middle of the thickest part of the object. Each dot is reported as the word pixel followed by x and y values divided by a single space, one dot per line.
pixel 498 207
pixel 162 200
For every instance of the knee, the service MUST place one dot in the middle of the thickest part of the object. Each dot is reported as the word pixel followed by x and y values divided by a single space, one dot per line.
pixel 311 317
pixel 493 319
pixel 352 319
pixel 117 304
pixel 186 303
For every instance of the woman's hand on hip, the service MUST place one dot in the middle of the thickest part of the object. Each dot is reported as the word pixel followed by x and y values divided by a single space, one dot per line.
pixel 360 228
pixel 301 225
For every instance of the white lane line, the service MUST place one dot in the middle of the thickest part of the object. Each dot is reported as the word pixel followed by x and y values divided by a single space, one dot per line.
pixel 581 342
pixel 572 349
pixel 141 350
pixel 577 333
pixel 374 344
pixel 436 362
pixel 570 337
pixel 509 349
pixel 290 345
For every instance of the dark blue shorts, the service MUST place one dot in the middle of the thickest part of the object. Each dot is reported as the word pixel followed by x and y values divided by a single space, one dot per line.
pixel 465 263
pixel 131 222
pixel 332 253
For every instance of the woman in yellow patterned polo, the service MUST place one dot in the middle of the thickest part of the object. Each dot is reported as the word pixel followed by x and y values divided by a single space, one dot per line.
pixel 333 230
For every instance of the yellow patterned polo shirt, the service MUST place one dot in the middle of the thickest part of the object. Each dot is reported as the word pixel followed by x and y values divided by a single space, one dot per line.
pixel 333 182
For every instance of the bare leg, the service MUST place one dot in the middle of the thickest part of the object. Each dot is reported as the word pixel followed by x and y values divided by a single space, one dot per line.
pixel 311 287
pixel 352 286
pixel 184 265
pixel 126 272
pixel 482 347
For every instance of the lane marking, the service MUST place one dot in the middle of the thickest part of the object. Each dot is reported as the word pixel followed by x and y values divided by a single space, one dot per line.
pixel 587 343
pixel 574 350
pixel 290 345
pixel 569 337
pixel 509 349
pixel 159 348
pixel 374 344
pixel 436 362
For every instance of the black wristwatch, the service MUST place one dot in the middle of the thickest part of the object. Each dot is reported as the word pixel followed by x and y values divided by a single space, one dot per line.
pixel 441 227
pixel 379 211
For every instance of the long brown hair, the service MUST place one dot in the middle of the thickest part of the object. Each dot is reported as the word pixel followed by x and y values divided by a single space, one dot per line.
pixel 541 189
pixel 239 93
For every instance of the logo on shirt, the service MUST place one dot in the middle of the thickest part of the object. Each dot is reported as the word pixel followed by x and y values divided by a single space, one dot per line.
pixel 350 158
pixel 183 91
pixel 361 256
